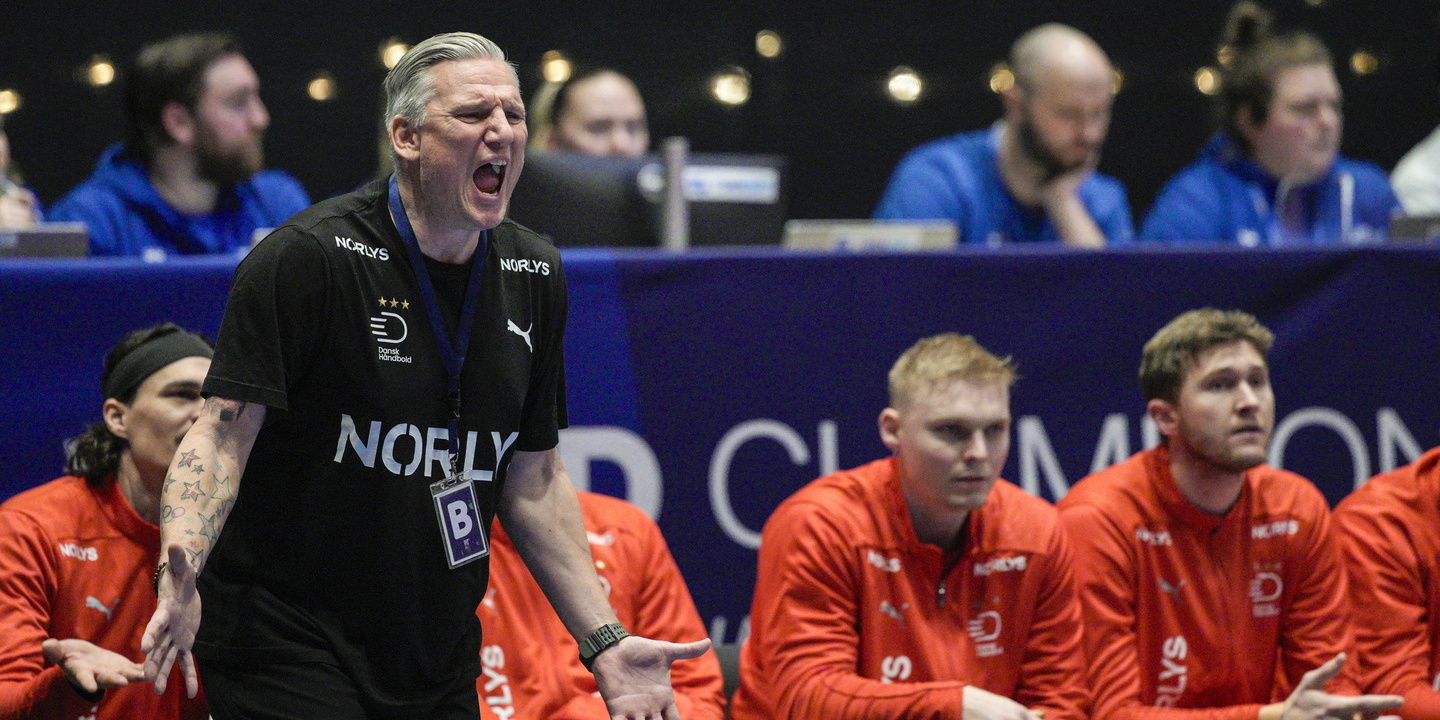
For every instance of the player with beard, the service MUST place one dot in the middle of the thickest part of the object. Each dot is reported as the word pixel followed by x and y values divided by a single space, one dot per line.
pixel 188 178
pixel 1031 176
pixel 1210 581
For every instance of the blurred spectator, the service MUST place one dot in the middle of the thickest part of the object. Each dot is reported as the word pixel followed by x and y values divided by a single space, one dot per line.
pixel 18 205
pixel 531 664
pixel 595 112
pixel 187 179
pixel 1030 177
pixel 77 553
pixel 1417 177
pixel 1273 174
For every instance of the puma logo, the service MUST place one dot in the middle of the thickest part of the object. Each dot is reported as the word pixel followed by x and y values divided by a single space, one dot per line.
pixel 512 327
pixel 1172 589
pixel 94 602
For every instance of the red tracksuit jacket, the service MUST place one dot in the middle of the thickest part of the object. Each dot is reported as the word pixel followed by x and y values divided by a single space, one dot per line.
pixel 1190 616
pixel 852 617
pixel 1390 532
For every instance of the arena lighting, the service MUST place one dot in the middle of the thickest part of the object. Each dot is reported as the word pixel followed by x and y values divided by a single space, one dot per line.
pixel 555 67
pixel 101 71
pixel 1207 80
pixel 9 101
pixel 1363 62
pixel 768 44
pixel 1001 79
pixel 731 85
pixel 905 85
pixel 321 87
pixel 391 51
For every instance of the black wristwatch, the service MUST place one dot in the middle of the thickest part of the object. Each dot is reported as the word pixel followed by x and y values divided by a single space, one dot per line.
pixel 600 641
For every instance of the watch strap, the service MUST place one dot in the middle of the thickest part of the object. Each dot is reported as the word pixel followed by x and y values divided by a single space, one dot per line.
pixel 599 641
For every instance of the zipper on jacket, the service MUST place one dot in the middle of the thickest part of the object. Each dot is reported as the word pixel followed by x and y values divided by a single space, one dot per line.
pixel 940 594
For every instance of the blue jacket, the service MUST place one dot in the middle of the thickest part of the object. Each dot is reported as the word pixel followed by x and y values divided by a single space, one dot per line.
pixel 957 178
pixel 126 215
pixel 1223 197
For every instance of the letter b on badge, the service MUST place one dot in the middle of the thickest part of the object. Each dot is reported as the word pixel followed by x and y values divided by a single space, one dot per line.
pixel 458 513
pixel 460 524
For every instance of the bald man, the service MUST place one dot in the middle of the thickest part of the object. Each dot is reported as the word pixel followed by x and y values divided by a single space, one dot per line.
pixel 1031 176
pixel 598 113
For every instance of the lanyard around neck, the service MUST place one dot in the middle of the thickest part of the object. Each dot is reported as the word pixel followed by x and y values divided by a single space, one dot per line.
pixel 451 346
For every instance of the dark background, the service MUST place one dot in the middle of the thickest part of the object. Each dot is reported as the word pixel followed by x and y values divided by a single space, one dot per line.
pixel 821 103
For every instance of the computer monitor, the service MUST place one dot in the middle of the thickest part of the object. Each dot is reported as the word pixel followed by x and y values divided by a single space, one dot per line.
pixel 579 200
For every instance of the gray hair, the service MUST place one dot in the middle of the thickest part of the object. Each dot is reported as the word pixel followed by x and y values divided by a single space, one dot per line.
pixel 408 86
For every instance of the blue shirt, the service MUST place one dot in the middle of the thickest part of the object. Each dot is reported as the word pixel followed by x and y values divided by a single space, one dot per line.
pixel 125 215
pixel 957 178
pixel 1223 197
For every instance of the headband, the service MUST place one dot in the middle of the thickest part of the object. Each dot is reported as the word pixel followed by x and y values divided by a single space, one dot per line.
pixel 144 361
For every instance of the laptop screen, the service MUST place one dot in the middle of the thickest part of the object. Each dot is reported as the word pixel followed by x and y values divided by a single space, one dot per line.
pixel 54 239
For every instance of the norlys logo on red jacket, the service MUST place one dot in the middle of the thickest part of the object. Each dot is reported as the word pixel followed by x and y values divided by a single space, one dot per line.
pixel 999 565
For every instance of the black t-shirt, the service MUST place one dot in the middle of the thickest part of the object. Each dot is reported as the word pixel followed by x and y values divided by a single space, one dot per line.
pixel 332 552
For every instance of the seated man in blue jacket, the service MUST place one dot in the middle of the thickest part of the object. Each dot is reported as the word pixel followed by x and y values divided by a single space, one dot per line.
pixel 187 180
pixel 1273 175
pixel 1031 176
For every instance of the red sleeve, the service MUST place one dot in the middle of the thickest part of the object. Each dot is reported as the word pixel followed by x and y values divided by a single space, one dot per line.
pixel 1391 611
pixel 805 617
pixel 665 611
pixel 1052 674
pixel 27 584
pixel 1316 625
pixel 1104 571
pixel 652 601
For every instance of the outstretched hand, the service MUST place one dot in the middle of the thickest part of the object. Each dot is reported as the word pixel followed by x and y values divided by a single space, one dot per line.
pixel 171 632
pixel 90 667
pixel 1309 701
pixel 634 677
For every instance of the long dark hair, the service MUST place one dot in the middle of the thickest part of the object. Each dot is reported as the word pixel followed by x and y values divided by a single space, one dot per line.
pixel 95 453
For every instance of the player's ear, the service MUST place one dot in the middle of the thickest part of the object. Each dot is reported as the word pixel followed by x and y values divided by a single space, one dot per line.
pixel 1165 415
pixel 889 423
pixel 113 412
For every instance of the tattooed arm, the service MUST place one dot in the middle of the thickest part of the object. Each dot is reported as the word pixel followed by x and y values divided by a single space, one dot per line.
pixel 199 491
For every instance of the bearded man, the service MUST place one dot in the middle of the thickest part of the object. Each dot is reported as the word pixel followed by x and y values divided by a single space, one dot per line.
pixel 188 179
pixel 1031 176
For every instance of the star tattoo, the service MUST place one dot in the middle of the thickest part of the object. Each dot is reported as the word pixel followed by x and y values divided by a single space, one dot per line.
pixel 188 457
pixel 192 491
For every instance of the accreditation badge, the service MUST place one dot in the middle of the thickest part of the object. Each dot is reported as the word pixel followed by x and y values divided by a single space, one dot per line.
pixel 459 516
